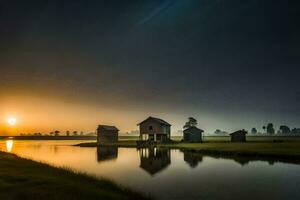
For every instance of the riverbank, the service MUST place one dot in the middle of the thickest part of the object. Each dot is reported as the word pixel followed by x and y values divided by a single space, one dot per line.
pixel 47 137
pixel 26 179
pixel 276 149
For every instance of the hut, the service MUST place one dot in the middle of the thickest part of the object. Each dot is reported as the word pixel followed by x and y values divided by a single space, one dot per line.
pixel 107 134
pixel 238 136
pixel 154 130
pixel 192 134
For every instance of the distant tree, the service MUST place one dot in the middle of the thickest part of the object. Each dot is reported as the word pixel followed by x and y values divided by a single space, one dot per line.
pixel 74 133
pixel 51 133
pixel 81 133
pixel 67 133
pixel 218 131
pixel 192 122
pixel 270 129
pixel 56 133
pixel 253 131
pixel 295 131
pixel 284 129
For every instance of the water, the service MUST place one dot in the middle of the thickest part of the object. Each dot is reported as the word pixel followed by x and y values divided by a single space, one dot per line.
pixel 170 174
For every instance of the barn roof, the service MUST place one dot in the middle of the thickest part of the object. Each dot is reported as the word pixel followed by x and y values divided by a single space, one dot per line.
pixel 157 120
pixel 239 132
pixel 192 129
pixel 108 128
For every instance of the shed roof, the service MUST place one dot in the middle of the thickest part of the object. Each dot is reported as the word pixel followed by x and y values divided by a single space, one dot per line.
pixel 108 128
pixel 193 128
pixel 239 132
pixel 157 120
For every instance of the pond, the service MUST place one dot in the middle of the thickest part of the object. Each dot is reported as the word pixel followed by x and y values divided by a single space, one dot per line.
pixel 170 174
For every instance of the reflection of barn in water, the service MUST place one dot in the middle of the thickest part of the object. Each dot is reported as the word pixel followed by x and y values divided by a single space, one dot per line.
pixel 193 159
pixel 154 159
pixel 106 153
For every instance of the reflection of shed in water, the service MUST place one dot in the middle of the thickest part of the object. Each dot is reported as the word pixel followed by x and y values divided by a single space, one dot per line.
pixel 154 159
pixel 106 153
pixel 193 159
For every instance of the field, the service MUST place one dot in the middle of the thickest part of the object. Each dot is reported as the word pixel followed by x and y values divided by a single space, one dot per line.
pixel 275 146
pixel 25 179
pixel 215 138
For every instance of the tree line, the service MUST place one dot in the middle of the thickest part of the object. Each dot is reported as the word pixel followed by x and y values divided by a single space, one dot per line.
pixel 268 129
pixel 55 133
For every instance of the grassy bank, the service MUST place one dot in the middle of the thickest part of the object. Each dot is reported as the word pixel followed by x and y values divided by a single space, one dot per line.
pixel 25 179
pixel 272 149
pixel 289 150
pixel 120 143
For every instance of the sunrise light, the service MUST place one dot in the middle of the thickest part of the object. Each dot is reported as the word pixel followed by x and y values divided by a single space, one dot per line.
pixel 11 121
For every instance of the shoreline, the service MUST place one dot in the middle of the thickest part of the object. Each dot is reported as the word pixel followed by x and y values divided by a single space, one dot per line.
pixel 285 151
pixel 22 178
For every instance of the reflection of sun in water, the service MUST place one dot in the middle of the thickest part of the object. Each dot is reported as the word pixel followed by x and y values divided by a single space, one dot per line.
pixel 9 145
pixel 11 121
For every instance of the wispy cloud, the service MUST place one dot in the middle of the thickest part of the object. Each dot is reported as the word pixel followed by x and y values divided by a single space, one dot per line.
pixel 163 6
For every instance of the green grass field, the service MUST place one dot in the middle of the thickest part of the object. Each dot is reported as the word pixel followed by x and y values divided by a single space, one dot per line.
pixel 252 138
pixel 283 147
pixel 25 179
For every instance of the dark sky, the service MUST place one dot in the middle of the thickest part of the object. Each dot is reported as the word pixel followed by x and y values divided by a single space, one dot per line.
pixel 232 63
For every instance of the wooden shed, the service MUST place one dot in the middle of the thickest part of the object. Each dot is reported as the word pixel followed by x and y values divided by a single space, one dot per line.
pixel 154 130
pixel 107 134
pixel 238 136
pixel 192 134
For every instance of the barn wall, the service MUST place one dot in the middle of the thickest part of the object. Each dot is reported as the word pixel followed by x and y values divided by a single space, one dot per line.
pixel 238 138
pixel 144 127
pixel 192 136
pixel 105 136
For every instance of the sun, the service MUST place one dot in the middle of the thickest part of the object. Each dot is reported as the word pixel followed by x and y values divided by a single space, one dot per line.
pixel 12 121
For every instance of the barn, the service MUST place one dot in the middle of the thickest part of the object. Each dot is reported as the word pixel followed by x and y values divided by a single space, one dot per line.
pixel 192 134
pixel 238 136
pixel 155 130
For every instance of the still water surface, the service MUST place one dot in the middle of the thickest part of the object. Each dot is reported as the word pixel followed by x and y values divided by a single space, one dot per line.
pixel 170 174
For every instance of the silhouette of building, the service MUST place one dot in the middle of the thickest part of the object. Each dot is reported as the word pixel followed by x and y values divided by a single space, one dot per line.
pixel 154 130
pixel 238 136
pixel 193 159
pixel 192 134
pixel 154 160
pixel 107 134
pixel 107 153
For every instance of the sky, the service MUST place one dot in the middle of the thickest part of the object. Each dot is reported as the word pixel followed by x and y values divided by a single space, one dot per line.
pixel 74 64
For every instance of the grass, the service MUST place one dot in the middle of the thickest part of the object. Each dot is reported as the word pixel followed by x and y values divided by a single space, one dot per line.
pixel 25 179
pixel 120 143
pixel 274 148
pixel 282 149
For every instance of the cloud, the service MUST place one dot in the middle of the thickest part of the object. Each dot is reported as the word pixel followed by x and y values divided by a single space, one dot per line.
pixel 165 5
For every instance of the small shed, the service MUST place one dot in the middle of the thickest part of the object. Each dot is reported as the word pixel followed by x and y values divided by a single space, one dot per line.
pixel 107 134
pixel 192 134
pixel 238 136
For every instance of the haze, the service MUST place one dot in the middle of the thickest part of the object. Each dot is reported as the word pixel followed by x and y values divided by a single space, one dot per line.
pixel 75 64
